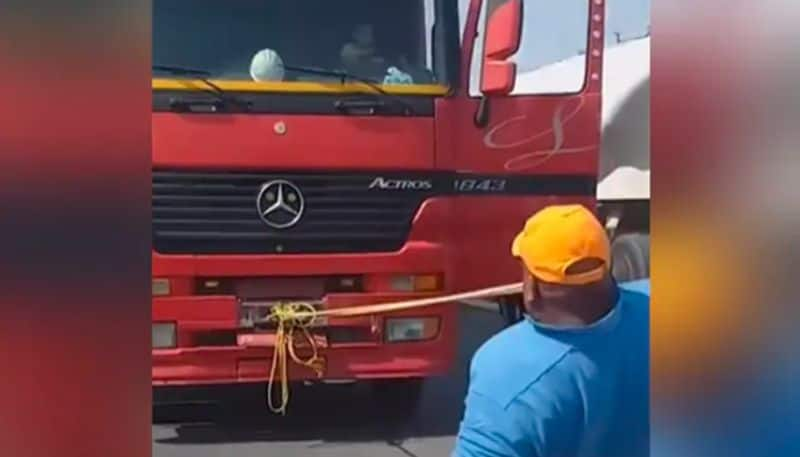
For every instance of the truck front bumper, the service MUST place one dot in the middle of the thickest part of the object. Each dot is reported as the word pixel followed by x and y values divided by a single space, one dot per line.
pixel 212 348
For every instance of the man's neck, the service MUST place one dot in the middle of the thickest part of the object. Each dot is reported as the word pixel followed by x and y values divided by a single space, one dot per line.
pixel 576 312
pixel 571 316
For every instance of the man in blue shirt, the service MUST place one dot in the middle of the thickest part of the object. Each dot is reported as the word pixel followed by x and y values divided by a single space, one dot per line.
pixel 572 378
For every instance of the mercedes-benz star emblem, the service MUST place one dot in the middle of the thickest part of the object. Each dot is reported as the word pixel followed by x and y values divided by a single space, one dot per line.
pixel 280 204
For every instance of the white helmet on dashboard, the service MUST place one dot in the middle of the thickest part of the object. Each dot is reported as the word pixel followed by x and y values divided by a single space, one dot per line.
pixel 267 65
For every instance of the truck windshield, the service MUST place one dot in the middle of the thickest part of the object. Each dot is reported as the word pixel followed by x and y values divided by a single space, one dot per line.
pixel 389 42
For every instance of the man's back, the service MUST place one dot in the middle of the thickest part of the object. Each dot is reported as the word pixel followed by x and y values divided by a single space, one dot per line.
pixel 549 392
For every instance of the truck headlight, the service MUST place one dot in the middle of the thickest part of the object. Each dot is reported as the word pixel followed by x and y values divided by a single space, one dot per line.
pixel 164 335
pixel 411 329
pixel 416 283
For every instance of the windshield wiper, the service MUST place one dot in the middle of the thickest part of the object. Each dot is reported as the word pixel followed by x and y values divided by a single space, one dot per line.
pixel 370 105
pixel 202 75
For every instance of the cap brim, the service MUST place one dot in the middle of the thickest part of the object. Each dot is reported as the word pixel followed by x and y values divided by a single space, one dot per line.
pixel 516 245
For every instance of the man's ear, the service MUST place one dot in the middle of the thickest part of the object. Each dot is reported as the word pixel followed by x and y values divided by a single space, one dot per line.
pixel 528 287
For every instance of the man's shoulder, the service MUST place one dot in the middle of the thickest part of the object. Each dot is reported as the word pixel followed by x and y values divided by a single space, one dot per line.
pixel 635 297
pixel 512 361
pixel 639 289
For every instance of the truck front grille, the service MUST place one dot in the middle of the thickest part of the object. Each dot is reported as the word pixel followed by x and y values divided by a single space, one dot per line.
pixel 216 213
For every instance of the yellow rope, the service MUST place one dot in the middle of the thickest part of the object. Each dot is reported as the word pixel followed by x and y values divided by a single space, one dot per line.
pixel 292 317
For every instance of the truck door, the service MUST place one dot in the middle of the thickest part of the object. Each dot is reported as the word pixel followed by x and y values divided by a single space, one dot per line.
pixel 524 128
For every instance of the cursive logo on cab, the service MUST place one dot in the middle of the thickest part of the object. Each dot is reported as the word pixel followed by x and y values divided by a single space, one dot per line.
pixel 532 159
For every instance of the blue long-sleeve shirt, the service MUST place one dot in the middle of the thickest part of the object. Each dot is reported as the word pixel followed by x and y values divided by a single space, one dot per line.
pixel 540 391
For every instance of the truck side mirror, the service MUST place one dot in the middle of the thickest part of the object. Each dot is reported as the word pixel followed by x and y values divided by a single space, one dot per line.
pixel 503 32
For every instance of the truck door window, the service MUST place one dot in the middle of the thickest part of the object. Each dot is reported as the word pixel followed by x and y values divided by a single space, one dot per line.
pixel 463 11
pixel 552 56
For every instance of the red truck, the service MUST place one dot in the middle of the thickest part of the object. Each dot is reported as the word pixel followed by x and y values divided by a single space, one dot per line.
pixel 342 153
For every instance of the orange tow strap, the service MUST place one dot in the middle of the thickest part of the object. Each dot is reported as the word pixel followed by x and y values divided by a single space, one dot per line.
pixel 295 318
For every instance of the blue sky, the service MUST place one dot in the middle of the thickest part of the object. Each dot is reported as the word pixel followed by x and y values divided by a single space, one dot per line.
pixel 554 29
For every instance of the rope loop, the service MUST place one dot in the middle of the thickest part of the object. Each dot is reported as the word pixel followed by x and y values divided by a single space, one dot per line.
pixel 290 319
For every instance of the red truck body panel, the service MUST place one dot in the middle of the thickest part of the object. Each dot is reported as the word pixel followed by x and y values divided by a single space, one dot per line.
pixel 309 143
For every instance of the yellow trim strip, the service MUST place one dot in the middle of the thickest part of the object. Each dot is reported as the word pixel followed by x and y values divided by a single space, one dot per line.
pixel 296 87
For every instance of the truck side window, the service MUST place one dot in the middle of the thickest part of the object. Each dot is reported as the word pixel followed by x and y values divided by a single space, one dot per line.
pixel 463 10
pixel 552 56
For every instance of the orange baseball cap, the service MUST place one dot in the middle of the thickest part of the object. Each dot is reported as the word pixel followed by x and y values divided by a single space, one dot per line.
pixel 557 237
